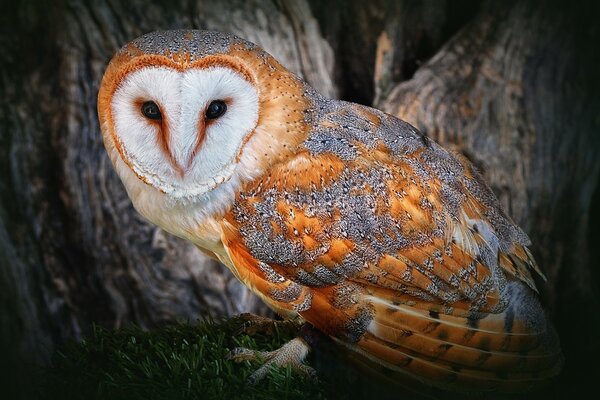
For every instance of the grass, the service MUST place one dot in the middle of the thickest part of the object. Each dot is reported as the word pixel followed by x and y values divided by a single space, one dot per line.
pixel 175 362
pixel 185 361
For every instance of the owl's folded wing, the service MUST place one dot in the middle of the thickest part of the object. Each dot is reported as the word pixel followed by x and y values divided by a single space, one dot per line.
pixel 420 271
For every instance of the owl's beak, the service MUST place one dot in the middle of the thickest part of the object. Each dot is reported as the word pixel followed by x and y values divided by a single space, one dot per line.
pixel 184 151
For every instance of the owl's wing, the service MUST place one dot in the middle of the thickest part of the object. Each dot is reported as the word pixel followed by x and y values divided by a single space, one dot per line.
pixel 401 252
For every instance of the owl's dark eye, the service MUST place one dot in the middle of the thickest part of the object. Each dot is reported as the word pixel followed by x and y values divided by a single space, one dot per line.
pixel 216 109
pixel 151 111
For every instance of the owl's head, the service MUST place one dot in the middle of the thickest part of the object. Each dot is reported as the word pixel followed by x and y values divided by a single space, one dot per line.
pixel 185 112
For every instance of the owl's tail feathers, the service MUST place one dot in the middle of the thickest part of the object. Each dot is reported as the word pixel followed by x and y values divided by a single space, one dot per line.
pixel 506 352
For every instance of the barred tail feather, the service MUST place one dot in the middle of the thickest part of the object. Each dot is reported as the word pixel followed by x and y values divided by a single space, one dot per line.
pixel 504 351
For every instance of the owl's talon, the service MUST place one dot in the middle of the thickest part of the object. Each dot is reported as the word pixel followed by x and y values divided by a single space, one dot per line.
pixel 291 353
pixel 240 354
pixel 307 371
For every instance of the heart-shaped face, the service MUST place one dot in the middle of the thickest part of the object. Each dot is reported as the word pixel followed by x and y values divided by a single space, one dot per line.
pixel 188 117
pixel 181 130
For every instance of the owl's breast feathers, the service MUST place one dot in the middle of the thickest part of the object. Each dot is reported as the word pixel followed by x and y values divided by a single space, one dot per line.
pixel 383 240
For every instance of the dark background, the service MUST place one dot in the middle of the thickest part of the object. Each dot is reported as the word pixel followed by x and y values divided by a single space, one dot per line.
pixel 511 85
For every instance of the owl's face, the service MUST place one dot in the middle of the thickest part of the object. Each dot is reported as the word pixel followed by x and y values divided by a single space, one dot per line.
pixel 188 111
pixel 180 130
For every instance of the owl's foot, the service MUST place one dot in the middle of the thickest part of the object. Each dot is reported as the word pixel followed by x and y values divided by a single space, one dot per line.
pixel 251 324
pixel 292 353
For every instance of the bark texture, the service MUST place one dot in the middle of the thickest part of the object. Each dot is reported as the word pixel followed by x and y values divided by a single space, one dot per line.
pixel 515 91
pixel 511 85
pixel 73 250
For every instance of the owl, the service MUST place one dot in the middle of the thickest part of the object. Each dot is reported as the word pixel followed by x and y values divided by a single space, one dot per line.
pixel 338 216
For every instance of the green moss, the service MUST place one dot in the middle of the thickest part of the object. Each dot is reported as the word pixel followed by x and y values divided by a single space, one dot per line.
pixel 174 362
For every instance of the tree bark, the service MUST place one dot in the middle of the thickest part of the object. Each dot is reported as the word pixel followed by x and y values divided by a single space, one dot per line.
pixel 515 91
pixel 511 85
pixel 73 250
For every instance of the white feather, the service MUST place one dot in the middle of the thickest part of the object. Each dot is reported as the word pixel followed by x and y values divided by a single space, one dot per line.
pixel 180 204
pixel 183 97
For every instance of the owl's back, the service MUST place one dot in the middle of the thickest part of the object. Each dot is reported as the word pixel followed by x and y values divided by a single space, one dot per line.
pixel 382 239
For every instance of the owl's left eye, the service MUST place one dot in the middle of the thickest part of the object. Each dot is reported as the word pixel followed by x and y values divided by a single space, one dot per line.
pixel 151 110
pixel 216 109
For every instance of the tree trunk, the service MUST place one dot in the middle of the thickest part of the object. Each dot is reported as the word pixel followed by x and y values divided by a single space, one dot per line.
pixel 511 85
pixel 516 92
pixel 73 250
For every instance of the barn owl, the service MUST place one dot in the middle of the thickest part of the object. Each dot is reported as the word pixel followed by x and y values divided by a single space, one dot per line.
pixel 337 215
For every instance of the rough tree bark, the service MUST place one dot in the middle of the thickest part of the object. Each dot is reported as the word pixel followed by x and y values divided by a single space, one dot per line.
pixel 72 248
pixel 511 85
pixel 515 91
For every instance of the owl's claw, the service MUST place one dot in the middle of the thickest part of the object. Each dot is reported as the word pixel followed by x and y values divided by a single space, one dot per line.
pixel 292 353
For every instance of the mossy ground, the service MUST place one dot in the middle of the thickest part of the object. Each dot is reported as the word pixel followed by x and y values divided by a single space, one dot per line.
pixel 187 361
pixel 175 362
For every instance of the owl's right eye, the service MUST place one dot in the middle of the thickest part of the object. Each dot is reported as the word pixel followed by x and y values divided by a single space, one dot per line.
pixel 151 110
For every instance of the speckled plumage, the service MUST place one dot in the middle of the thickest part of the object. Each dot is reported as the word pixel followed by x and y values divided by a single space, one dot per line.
pixel 354 221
